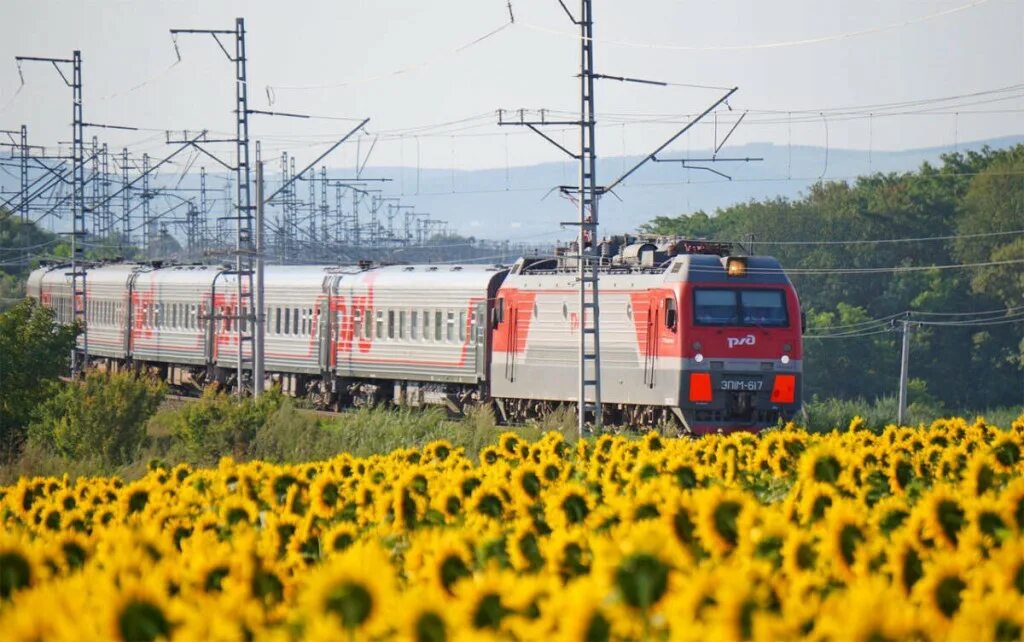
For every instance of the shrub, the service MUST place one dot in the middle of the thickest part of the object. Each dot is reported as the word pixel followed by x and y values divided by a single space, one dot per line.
pixel 33 352
pixel 102 417
pixel 219 424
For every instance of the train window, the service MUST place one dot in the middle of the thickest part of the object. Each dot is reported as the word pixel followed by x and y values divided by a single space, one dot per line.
pixel 499 311
pixel 391 324
pixel 380 324
pixel 277 320
pixel 312 327
pixel 414 320
pixel 357 326
pixel 462 325
pixel 450 335
pixel 670 313
pixel 763 307
pixel 426 325
pixel 174 315
pixel 295 320
pixel 287 321
pixel 401 324
pixel 243 319
pixel 437 325
pixel 715 307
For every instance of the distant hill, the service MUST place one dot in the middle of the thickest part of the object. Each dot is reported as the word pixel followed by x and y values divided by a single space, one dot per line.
pixel 487 204
pixel 511 205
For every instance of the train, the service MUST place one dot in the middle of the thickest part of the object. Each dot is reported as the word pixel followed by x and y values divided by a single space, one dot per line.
pixel 692 334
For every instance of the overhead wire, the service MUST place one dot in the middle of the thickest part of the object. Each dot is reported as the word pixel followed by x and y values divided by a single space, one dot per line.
pixel 758 46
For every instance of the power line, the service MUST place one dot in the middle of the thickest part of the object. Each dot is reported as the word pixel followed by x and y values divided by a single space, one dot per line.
pixel 761 46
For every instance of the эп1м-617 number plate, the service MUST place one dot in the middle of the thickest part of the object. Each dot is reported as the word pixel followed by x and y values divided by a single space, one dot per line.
pixel 741 384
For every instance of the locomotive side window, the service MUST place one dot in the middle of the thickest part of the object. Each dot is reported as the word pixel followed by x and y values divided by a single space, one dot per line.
pixel 499 311
pixel 670 313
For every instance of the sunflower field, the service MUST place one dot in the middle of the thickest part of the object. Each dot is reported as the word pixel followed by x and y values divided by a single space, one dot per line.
pixel 907 533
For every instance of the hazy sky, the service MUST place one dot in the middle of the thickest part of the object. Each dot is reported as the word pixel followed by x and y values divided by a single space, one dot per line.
pixel 339 58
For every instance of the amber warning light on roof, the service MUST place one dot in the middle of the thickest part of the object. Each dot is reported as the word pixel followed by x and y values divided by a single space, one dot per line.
pixel 736 266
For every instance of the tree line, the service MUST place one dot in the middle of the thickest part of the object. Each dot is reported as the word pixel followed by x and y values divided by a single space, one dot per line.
pixel 973 200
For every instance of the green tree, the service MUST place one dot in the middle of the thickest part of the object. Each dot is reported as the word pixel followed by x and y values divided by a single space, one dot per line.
pixel 33 352
pixel 102 417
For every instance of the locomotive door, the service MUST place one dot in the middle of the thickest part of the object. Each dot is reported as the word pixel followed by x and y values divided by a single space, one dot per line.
pixel 479 336
pixel 651 337
pixel 511 324
pixel 324 335
pixel 129 316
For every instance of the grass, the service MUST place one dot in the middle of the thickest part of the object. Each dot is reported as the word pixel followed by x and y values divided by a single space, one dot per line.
pixel 290 434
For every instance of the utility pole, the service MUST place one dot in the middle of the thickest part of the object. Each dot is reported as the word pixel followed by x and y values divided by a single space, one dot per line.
pixel 79 303
pixel 24 170
pixel 126 204
pixel 203 210
pixel 907 328
pixel 244 314
pixel 324 214
pixel 587 193
pixel 259 320
pixel 107 219
pixel 95 180
pixel 146 197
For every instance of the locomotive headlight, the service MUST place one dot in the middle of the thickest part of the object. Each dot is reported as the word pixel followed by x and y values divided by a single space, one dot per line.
pixel 784 359
pixel 736 266
pixel 698 357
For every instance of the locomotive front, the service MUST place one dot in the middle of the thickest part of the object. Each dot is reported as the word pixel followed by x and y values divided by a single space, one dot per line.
pixel 742 349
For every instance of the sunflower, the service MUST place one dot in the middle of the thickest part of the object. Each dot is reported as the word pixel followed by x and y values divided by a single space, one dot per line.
pixel 566 505
pixel 844 535
pixel 324 493
pixel 566 553
pixel 20 565
pixel 141 612
pixel 864 612
pixel 585 598
pixel 980 475
pixel 439 559
pixel 822 463
pixel 800 553
pixel 524 547
pixel 940 591
pixel 813 501
pixel 718 512
pixel 425 616
pixel 943 516
pixel 351 591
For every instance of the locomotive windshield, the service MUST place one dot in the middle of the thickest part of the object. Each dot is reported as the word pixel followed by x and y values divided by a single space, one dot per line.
pixel 764 308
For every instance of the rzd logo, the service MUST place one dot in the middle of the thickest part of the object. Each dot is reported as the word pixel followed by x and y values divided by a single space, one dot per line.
pixel 748 340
